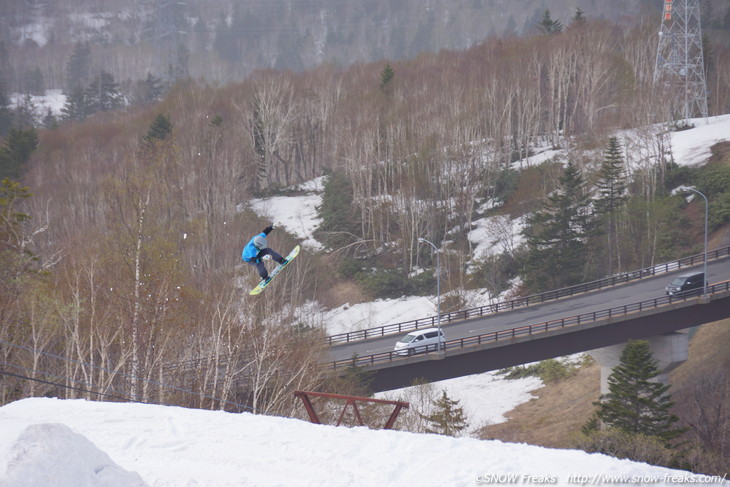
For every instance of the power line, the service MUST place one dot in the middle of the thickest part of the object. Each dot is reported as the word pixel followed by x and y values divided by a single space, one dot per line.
pixel 79 389
pixel 113 373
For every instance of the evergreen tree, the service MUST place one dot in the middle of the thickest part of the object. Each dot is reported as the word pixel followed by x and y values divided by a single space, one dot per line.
pixel 16 151
pixel 6 113
pixel 579 17
pixel 33 82
pixel 75 108
pixel 50 121
pixel 78 68
pixel 160 129
pixel 103 95
pixel 356 381
pixel 557 236
pixel 12 262
pixel 635 404
pixel 24 116
pixel 447 418
pixel 386 76
pixel 339 225
pixel 154 88
pixel 549 26
pixel 6 67
pixel 612 196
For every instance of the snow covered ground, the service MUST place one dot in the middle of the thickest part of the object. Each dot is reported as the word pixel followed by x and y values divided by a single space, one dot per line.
pixel 692 147
pixel 75 443
pixel 485 398
pixel 297 214
pixel 53 100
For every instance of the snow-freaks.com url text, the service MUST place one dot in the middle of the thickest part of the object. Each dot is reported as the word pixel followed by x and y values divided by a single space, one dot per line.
pixel 599 479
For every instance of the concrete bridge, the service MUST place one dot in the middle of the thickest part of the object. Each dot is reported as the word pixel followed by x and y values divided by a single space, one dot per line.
pixel 600 321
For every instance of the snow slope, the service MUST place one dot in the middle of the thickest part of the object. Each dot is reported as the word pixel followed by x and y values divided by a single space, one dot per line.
pixel 177 447
pixel 692 147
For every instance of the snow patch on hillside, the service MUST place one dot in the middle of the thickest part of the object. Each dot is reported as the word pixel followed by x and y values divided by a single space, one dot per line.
pixel 297 214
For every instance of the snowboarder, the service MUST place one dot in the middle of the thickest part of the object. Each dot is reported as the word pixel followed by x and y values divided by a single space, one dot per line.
pixel 257 249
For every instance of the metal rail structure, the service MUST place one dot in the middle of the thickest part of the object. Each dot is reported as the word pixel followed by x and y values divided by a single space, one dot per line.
pixel 535 330
pixel 349 401
pixel 431 321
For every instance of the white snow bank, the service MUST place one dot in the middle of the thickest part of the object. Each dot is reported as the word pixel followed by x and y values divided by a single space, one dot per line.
pixel 177 447
pixel 297 214
pixel 485 398
pixel 51 454
pixel 496 235
pixel 380 312
pixel 692 147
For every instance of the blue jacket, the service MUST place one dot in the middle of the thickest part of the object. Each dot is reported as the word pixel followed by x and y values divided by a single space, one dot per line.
pixel 250 251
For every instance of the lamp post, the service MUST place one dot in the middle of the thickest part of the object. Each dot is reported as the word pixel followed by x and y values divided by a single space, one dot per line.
pixel 438 289
pixel 690 188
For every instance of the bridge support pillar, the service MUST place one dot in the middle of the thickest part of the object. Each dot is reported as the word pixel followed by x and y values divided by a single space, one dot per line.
pixel 670 350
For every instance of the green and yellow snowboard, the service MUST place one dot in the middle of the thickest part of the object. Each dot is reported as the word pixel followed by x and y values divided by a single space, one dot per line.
pixel 262 285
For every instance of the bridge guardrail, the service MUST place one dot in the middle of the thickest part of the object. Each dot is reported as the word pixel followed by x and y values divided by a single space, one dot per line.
pixel 431 321
pixel 532 329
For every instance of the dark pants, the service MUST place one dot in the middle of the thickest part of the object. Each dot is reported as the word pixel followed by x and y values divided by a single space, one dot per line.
pixel 259 261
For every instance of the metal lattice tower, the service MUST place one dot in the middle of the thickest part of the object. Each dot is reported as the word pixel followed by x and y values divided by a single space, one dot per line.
pixel 679 72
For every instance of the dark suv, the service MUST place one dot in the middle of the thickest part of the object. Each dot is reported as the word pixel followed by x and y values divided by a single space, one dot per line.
pixel 686 282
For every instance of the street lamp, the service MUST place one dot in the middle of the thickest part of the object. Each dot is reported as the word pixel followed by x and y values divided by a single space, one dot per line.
pixel 690 188
pixel 438 289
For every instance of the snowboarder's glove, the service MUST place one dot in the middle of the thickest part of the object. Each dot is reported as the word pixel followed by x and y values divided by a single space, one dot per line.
pixel 268 229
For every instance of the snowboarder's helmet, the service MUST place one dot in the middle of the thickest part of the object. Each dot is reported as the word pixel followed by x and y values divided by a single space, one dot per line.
pixel 259 242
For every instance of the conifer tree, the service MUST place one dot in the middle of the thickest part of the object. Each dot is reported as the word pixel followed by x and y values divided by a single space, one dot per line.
pixel 25 113
pixel 447 418
pixel 339 225
pixel 635 404
pixel 154 89
pixel 6 67
pixel 356 381
pixel 75 108
pixel 549 26
pixel 386 76
pixel 6 113
pixel 103 94
pixel 33 82
pixel 16 150
pixel 612 196
pixel 557 236
pixel 160 129
pixel 15 258
pixel 579 18
pixel 78 68
pixel 50 121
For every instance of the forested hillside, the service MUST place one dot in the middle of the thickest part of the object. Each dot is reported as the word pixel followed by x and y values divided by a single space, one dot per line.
pixel 121 234
pixel 225 40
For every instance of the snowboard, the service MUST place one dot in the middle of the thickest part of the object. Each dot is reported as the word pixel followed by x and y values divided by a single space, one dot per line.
pixel 262 285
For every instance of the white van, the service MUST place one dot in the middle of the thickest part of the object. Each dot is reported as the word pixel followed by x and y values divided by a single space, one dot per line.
pixel 420 341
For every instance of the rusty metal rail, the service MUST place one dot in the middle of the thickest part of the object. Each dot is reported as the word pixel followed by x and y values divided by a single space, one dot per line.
pixel 532 329
pixel 623 278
